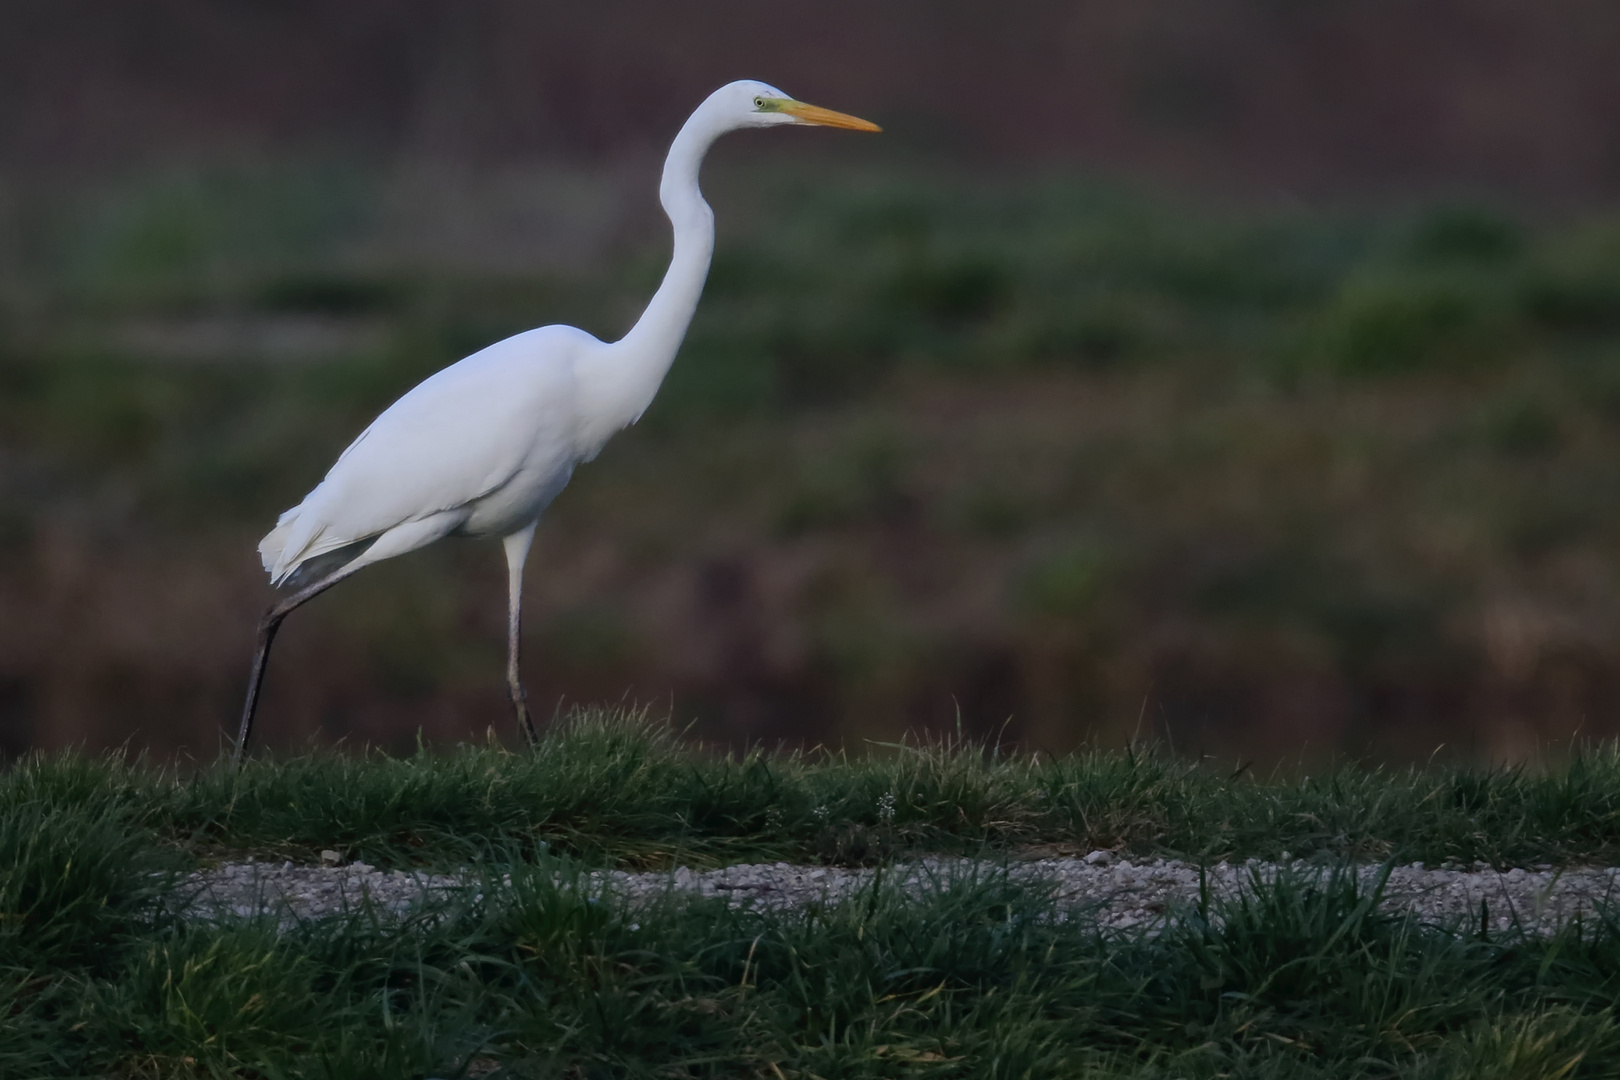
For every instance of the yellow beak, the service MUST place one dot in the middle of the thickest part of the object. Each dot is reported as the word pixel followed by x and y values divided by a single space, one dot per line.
pixel 815 114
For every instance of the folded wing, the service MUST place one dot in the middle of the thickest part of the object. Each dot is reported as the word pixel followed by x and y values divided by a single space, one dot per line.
pixel 455 438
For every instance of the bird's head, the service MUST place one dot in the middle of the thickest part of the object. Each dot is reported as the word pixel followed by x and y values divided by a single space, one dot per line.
pixel 748 103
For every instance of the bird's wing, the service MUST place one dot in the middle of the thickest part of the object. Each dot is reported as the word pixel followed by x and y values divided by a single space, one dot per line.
pixel 455 437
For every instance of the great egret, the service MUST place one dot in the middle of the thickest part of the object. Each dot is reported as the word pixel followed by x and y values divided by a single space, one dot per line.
pixel 483 446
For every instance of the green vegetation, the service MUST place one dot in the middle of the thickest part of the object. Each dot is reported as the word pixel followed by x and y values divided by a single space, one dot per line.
pixel 549 975
pixel 1041 447
pixel 605 789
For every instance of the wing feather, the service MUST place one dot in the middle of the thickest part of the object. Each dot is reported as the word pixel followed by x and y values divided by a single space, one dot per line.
pixel 457 436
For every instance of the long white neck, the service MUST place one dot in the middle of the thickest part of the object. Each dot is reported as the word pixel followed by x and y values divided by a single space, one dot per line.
pixel 620 381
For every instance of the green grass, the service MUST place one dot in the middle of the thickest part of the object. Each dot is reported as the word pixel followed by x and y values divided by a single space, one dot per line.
pixel 609 789
pixel 552 976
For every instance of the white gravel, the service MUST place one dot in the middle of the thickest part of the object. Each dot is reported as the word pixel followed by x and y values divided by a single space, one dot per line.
pixel 1117 892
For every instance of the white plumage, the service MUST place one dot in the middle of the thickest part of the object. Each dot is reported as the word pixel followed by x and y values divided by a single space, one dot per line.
pixel 486 444
pixel 482 447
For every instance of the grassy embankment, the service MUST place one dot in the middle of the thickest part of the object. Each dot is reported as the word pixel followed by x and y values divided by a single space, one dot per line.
pixel 1037 447
pixel 549 977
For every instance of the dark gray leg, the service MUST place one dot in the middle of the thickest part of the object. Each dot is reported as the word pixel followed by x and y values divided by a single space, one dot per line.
pixel 267 634
pixel 517 552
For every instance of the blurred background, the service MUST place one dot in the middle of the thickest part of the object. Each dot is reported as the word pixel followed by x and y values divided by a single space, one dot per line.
pixel 1243 374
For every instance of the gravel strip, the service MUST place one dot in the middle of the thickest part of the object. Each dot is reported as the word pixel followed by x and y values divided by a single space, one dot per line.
pixel 304 892
pixel 1119 893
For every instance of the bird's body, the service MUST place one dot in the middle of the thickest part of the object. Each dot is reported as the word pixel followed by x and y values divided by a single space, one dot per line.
pixel 487 443
pixel 482 447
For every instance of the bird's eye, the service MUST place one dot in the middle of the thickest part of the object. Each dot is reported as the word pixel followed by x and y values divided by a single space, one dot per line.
pixel 759 103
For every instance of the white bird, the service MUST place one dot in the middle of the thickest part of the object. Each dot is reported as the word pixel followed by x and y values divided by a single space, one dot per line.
pixel 483 446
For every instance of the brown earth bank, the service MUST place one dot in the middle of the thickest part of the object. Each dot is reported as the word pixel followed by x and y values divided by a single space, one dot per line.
pixel 1331 96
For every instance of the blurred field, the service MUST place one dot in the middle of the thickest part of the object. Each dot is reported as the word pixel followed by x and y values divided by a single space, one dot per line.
pixel 1078 459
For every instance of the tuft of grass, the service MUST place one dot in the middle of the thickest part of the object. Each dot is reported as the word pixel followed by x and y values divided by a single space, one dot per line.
pixel 77 873
pixel 611 787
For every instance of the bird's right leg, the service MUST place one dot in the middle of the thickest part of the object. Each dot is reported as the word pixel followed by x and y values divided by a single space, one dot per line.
pixel 267 635
pixel 517 552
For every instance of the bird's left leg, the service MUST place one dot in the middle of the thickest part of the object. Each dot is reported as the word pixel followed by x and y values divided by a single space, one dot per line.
pixel 267 636
pixel 406 536
pixel 517 552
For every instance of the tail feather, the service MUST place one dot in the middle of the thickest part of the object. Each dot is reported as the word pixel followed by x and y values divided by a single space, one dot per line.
pixel 274 542
pixel 312 556
pixel 294 542
pixel 298 537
